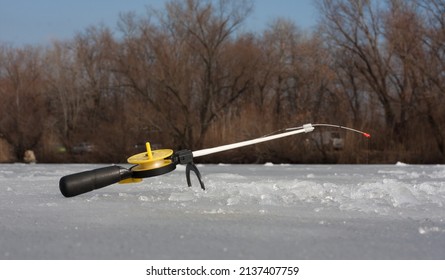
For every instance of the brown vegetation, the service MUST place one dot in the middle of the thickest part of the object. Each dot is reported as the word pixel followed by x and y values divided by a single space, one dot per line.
pixel 187 77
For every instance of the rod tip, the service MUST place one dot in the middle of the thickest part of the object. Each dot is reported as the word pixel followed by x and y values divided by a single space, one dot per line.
pixel 367 135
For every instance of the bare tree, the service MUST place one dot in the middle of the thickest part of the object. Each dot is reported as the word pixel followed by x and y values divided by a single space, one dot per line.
pixel 67 98
pixel 190 82
pixel 22 105
pixel 432 68
pixel 356 27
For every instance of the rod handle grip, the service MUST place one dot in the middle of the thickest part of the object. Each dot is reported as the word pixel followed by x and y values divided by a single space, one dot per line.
pixel 86 181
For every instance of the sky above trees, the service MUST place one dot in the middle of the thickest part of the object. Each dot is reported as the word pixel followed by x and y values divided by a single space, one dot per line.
pixel 40 22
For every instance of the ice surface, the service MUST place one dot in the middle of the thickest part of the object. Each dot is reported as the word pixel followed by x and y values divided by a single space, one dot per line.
pixel 248 211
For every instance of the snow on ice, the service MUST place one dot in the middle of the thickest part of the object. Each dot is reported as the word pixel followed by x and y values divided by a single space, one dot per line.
pixel 247 212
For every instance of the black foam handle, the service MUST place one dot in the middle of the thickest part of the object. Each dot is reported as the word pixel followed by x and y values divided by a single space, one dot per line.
pixel 79 183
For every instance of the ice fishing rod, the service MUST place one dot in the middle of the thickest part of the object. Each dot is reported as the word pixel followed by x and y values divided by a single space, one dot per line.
pixel 158 162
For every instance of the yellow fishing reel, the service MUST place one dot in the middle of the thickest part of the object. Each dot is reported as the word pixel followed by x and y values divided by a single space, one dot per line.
pixel 150 163
pixel 158 162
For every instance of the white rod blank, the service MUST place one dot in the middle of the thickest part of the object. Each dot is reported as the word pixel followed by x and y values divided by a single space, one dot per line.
pixel 306 128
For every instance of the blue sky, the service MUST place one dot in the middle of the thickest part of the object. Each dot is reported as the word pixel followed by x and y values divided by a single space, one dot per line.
pixel 38 22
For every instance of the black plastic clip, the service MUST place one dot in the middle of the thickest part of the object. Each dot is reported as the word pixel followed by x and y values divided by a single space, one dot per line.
pixel 186 157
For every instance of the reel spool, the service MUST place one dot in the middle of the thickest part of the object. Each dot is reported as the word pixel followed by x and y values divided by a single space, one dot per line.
pixel 151 163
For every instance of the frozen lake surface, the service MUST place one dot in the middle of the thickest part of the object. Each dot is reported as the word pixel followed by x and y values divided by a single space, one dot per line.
pixel 247 212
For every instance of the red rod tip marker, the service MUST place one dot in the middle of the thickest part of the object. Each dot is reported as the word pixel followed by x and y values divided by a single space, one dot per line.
pixel 367 135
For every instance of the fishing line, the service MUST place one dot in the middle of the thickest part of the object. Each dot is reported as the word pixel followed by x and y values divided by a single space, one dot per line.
pixel 367 135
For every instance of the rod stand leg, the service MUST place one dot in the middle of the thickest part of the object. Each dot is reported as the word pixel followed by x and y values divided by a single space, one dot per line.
pixel 186 157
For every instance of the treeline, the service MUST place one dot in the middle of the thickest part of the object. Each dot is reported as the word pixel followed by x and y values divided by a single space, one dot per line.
pixel 188 76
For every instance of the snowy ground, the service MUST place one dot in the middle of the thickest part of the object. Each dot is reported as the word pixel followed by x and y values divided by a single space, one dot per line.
pixel 247 212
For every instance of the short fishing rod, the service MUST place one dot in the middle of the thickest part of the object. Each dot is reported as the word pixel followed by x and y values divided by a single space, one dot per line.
pixel 158 162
